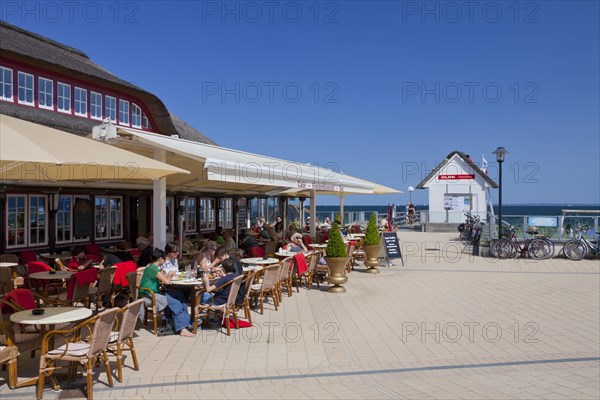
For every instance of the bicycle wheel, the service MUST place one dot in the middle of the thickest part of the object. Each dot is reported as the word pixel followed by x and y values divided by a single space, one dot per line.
pixel 551 244
pixel 575 250
pixel 505 249
pixel 494 248
pixel 539 249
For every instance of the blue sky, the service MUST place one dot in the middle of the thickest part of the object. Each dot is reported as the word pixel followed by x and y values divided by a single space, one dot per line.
pixel 385 90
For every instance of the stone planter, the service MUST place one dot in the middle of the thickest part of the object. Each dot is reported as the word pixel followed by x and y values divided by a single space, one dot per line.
pixel 337 277
pixel 372 258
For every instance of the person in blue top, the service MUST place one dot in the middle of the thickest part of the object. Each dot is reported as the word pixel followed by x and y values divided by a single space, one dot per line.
pixel 219 297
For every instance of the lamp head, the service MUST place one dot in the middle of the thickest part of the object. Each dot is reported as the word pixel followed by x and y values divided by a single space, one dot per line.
pixel 500 152
pixel 411 189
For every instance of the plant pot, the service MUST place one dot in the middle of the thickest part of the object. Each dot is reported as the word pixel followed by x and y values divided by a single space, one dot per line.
pixel 336 277
pixel 372 258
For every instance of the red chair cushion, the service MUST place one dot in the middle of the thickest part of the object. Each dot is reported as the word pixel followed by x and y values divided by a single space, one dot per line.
pixel 231 322
pixel 81 278
pixel 23 297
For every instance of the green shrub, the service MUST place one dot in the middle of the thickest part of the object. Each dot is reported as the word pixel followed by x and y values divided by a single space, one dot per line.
pixel 372 234
pixel 337 219
pixel 335 245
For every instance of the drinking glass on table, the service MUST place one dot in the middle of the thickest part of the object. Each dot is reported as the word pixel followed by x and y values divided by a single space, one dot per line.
pixel 188 271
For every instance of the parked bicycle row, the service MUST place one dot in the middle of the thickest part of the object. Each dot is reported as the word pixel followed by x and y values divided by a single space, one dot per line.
pixel 537 246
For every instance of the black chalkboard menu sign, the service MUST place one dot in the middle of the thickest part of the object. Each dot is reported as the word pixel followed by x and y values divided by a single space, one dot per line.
pixel 391 246
pixel 83 218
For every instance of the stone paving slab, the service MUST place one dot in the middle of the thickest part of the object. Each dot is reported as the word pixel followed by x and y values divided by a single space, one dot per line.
pixel 446 325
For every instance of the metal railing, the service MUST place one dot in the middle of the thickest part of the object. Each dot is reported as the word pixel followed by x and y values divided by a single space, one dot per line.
pixel 565 227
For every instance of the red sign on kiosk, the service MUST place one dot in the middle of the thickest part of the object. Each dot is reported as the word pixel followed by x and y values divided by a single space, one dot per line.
pixel 455 177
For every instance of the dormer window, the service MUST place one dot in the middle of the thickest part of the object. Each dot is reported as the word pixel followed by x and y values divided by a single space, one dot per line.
pixel 6 84
pixel 45 93
pixel 95 105
pixel 80 102
pixel 110 109
pixel 123 112
pixel 25 88
pixel 136 116
pixel 63 97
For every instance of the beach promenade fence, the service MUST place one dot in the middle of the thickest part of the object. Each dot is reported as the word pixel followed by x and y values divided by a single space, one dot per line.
pixel 556 227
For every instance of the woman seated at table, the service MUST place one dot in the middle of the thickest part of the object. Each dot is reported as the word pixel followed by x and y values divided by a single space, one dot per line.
pixel 206 259
pixel 219 297
pixel 174 302
pixel 171 264
pixel 79 260
pixel 296 244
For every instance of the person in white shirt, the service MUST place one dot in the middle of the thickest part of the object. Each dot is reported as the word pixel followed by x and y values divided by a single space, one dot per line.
pixel 172 253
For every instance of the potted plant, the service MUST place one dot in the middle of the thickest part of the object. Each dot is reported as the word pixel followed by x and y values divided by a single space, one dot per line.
pixel 372 245
pixel 337 259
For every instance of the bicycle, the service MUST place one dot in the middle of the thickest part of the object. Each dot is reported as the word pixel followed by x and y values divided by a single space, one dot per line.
pixel 508 247
pixel 576 249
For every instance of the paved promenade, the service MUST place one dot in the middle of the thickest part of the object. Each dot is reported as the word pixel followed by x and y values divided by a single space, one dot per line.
pixel 445 325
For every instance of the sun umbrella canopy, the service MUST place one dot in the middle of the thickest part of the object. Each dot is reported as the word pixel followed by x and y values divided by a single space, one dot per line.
pixel 35 152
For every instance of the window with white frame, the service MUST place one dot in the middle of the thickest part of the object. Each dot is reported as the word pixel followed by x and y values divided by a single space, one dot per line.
pixel 226 213
pixel 95 105
pixel 45 93
pixel 64 218
pixel 63 97
pixel 190 215
pixel 108 217
pixel 110 108
pixel 207 214
pixel 116 216
pixel 136 116
pixel 16 215
pixel 26 220
pixel 25 88
pixel 145 121
pixel 38 232
pixel 81 102
pixel 6 84
pixel 101 217
pixel 123 112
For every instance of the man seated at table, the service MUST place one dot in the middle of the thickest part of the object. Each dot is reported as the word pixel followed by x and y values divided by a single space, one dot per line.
pixel 219 297
pixel 229 243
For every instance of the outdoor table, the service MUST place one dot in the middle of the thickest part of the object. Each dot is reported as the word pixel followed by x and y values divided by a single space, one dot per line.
pixel 8 264
pixel 46 275
pixel 259 261
pixel 285 254
pixel 318 246
pixel 51 317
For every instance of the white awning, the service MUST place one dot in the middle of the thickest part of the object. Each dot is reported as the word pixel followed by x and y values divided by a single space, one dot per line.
pixel 228 170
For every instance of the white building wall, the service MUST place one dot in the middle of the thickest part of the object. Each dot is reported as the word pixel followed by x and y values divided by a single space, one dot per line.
pixel 450 199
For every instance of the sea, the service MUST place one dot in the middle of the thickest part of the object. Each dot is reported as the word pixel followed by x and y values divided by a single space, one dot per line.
pixel 507 209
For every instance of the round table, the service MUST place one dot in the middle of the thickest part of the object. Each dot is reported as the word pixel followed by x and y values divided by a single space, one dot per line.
pixel 48 276
pixel 285 254
pixel 259 261
pixel 8 264
pixel 51 316
pixel 318 246
pixel 252 268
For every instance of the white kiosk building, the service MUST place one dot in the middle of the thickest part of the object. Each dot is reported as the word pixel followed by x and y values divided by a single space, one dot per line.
pixel 456 186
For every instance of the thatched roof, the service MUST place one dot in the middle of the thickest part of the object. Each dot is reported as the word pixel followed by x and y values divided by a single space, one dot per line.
pixel 30 48
pixel 188 132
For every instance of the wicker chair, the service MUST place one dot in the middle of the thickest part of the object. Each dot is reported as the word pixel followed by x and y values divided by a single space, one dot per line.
pixel 105 285
pixel 268 287
pixel 246 303
pixel 134 279
pixel 11 344
pixel 228 309
pixel 85 353
pixel 123 339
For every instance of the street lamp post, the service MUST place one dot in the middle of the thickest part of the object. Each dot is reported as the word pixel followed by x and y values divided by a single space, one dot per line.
pixel 410 190
pixel 500 152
